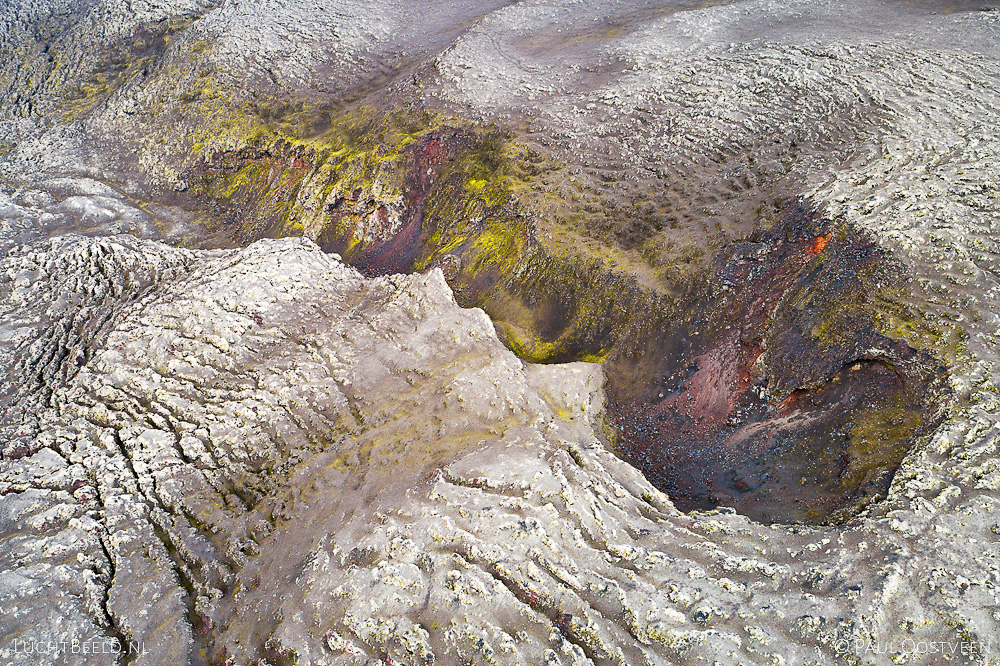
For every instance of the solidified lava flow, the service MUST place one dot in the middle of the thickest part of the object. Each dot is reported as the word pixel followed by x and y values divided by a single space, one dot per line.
pixel 637 347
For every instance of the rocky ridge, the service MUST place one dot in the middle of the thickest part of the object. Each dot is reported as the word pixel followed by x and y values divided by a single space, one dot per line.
pixel 259 454
pixel 286 461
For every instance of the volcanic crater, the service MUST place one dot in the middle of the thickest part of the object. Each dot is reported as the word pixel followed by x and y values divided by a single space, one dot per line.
pixel 766 383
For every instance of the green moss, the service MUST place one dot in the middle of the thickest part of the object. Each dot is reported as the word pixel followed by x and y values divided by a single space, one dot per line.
pixel 125 61
pixel 877 439
pixel 498 247
pixel 359 154
pixel 896 319
pixel 317 169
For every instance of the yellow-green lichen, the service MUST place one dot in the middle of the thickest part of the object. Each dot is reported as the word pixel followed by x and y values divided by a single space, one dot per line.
pixel 876 438
pixel 120 63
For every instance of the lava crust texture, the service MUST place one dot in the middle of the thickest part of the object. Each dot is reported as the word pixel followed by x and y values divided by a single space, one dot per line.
pixel 533 332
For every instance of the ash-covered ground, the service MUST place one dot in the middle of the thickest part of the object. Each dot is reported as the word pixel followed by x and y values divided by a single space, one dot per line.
pixel 517 332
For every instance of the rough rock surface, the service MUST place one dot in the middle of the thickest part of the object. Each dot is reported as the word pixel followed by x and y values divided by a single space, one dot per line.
pixel 241 455
pixel 266 455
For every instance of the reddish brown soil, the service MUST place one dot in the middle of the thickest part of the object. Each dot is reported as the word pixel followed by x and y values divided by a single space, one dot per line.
pixel 750 408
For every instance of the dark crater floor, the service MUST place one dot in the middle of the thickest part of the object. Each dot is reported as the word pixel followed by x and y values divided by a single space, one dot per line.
pixel 776 393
